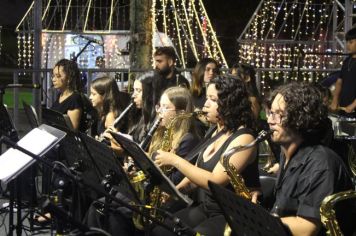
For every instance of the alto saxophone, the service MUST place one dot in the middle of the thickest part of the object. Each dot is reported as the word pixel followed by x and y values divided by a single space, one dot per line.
pixel 236 180
pixel 156 196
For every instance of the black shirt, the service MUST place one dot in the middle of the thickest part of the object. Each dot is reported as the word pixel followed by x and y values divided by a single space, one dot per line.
pixel 348 76
pixel 188 142
pixel 313 173
pixel 74 101
pixel 160 83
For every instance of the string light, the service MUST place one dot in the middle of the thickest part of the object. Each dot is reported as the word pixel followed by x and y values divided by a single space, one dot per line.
pixel 304 28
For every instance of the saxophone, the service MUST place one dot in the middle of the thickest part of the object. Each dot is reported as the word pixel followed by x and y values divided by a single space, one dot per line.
pixel 138 179
pixel 236 179
pixel 327 212
pixel 156 196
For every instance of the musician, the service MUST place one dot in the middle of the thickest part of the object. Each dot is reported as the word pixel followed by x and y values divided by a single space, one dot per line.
pixel 227 105
pixel 142 115
pixel 108 101
pixel 308 171
pixel 66 79
pixel 247 74
pixel 144 98
pixel 164 63
pixel 204 71
pixel 174 102
pixel 345 87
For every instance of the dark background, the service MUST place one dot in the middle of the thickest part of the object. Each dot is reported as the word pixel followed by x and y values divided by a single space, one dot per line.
pixel 228 17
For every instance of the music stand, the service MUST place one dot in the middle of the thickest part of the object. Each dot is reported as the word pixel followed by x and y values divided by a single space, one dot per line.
pixel 7 127
pixel 157 177
pixel 102 156
pixel 13 162
pixel 56 119
pixel 245 217
pixel 31 115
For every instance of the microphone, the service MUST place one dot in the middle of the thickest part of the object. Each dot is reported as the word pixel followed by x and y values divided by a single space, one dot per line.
pixel 30 86
pixel 91 39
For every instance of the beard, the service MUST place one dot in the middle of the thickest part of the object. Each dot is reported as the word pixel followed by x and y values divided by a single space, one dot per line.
pixel 164 72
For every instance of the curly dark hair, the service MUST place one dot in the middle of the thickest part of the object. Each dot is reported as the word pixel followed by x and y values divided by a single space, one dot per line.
pixel 305 113
pixel 234 107
pixel 70 68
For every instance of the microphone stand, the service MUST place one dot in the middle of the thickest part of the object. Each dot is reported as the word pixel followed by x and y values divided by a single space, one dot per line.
pixel 75 58
pixel 59 169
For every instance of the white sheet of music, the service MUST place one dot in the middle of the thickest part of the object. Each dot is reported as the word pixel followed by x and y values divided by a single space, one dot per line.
pixel 36 141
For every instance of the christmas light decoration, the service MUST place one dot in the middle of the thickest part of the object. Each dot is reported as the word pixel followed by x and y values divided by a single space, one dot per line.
pixel 283 35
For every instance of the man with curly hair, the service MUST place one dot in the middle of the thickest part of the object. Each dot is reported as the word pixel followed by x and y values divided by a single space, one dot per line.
pixel 308 171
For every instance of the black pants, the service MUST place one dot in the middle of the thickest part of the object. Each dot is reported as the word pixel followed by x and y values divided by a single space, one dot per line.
pixel 198 219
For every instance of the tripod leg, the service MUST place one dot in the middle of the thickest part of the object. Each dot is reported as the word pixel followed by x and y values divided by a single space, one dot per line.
pixel 19 206
pixel 11 208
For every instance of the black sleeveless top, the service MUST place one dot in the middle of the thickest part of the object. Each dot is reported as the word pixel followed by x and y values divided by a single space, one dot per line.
pixel 250 173
pixel 74 101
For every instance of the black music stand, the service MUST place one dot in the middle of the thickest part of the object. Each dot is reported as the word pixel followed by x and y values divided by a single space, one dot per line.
pixel 31 115
pixel 14 162
pixel 7 127
pixel 245 217
pixel 153 172
pixel 56 119
pixel 107 163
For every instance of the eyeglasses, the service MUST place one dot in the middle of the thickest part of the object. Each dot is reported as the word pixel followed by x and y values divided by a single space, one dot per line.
pixel 163 109
pixel 276 117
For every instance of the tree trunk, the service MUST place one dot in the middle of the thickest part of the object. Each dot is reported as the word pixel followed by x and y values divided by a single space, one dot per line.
pixel 141 34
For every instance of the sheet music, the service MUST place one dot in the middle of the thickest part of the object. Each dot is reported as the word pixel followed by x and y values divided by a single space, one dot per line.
pixel 167 184
pixel 12 161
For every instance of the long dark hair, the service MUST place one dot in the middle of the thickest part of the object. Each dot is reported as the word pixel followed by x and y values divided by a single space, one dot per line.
pixel 141 119
pixel 198 76
pixel 112 98
pixel 245 71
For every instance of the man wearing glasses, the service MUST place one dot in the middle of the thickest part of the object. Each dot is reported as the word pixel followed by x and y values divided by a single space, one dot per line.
pixel 308 171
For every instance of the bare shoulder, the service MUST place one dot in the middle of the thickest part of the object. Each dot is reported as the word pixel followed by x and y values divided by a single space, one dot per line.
pixel 241 140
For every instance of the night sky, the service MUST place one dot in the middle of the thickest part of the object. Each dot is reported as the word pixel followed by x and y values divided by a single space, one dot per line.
pixel 228 18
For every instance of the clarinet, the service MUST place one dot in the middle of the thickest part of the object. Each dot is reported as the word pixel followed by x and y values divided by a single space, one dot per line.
pixel 147 140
